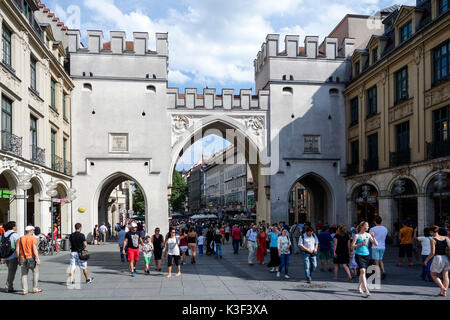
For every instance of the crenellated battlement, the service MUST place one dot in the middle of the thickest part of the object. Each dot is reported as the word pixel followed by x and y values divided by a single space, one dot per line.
pixel 118 43
pixel 310 50
pixel 210 100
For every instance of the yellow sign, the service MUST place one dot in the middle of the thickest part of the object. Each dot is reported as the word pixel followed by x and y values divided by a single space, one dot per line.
pixel 81 209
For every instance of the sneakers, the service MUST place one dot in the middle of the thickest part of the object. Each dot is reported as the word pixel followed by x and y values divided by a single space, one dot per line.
pixel 286 276
pixel 272 270
pixel 133 274
pixel 90 280
pixel 278 274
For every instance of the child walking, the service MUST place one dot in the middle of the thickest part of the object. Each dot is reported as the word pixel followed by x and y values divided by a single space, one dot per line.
pixel 201 241
pixel 147 249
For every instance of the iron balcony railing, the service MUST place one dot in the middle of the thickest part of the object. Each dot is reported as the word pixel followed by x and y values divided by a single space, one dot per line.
pixel 37 155
pixel 11 143
pixel 61 165
pixel 400 158
pixel 352 169
pixel 371 165
pixel 438 149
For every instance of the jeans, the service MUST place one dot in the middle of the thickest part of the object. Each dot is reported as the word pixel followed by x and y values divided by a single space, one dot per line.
pixel 12 269
pixel 284 263
pixel 25 270
pixel 236 244
pixel 426 269
pixel 122 256
pixel 310 264
pixel 200 249
pixel 218 250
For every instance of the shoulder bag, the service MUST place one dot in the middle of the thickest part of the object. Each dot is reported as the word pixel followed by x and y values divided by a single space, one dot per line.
pixel 29 263
pixel 83 254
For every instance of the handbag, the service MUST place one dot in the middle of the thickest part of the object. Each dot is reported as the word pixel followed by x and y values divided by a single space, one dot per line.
pixel 29 263
pixel 83 254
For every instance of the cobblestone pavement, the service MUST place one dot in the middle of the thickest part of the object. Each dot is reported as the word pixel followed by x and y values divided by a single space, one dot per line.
pixel 230 278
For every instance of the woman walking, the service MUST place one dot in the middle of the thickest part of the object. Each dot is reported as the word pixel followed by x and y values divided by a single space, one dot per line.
pixel 342 248
pixel 55 236
pixel 192 244
pixel 158 245
pixel 425 243
pixel 262 236
pixel 283 247
pixel 183 245
pixel 172 251
pixel 273 246
pixel 218 242
pixel 362 254
pixel 440 265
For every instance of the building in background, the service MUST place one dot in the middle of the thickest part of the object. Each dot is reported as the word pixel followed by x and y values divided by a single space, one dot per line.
pixel 35 92
pixel 398 112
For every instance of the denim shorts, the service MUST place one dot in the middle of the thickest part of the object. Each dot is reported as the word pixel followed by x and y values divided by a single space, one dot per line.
pixel 377 254
pixel 76 262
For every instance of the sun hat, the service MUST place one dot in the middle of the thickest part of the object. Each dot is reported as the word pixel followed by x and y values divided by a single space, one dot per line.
pixel 29 228
pixel 133 224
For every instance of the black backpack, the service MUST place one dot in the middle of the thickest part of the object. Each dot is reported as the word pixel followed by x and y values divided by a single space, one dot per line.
pixel 6 249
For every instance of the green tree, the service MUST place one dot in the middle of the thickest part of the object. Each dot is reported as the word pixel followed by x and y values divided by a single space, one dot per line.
pixel 138 200
pixel 179 192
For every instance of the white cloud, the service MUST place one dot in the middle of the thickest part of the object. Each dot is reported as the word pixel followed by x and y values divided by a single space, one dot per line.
pixel 216 41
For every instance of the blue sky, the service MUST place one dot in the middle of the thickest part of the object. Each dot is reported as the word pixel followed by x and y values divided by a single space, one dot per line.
pixel 212 42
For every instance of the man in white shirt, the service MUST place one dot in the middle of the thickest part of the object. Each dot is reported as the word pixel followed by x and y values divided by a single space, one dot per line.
pixel 309 245
pixel 251 244
pixel 103 230
pixel 379 232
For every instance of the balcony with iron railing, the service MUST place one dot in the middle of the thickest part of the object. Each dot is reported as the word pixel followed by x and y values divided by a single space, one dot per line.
pixel 37 155
pixel 438 149
pixel 371 164
pixel 67 167
pixel 11 143
pixel 400 158
pixel 61 165
pixel 352 169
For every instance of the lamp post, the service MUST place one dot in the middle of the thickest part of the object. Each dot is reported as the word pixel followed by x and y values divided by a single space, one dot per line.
pixel 365 194
pixel 24 184
pixel 397 191
pixel 440 184
pixel 70 197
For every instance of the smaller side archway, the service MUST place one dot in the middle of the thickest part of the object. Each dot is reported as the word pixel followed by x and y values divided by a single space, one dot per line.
pixel 404 205
pixel 364 203
pixel 437 199
pixel 8 201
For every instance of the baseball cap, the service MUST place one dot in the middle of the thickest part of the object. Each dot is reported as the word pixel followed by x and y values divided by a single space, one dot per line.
pixel 133 224
pixel 29 228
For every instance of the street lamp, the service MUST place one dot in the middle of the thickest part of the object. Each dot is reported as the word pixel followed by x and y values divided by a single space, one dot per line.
pixel 24 184
pixel 397 191
pixel 440 184
pixel 70 197
pixel 51 192
pixel 365 194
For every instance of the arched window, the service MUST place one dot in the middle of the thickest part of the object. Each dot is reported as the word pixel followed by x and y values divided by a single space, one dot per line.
pixel 151 88
pixel 334 91
pixel 284 77
pixel 87 87
pixel 291 77
pixel 288 90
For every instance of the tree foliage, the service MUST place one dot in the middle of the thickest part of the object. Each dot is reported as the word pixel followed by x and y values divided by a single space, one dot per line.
pixel 179 192
pixel 138 200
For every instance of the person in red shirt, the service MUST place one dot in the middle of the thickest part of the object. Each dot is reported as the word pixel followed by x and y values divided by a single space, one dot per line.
pixel 236 237
pixel 2 231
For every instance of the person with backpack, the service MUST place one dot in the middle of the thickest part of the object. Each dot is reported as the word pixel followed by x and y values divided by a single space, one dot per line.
pixel 77 243
pixel 309 244
pixel 8 245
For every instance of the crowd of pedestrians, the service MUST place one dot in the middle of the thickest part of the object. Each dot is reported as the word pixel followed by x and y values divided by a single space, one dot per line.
pixel 354 251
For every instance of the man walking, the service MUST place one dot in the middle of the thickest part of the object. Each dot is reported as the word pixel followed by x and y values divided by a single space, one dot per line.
pixel 77 243
pixel 236 238
pixel 309 244
pixel 121 237
pixel 405 237
pixel 295 232
pixel 10 257
pixel 103 230
pixel 28 257
pixel 379 232
pixel 132 241
pixel 250 243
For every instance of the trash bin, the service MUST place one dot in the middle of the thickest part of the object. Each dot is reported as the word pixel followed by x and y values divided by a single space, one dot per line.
pixel 66 244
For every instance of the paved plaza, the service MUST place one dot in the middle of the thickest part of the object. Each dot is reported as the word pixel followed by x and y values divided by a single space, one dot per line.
pixel 210 279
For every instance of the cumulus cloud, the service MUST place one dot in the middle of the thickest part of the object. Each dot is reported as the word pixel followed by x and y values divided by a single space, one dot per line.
pixel 215 42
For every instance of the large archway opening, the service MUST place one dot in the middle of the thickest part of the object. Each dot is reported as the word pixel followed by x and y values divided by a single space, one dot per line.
pixel 405 203
pixel 8 183
pixel 219 166
pixel 310 201
pixel 365 201
pixel 121 198
pixel 438 192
